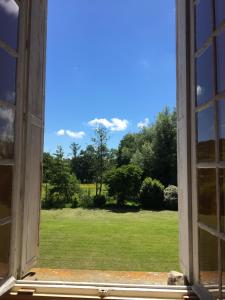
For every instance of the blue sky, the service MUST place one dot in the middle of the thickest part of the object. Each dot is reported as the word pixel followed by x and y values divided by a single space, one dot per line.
pixel 109 62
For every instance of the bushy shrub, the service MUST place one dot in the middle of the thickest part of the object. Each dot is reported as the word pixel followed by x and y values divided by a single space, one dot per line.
pixel 151 194
pixel 85 200
pixel 99 200
pixel 171 197
pixel 124 183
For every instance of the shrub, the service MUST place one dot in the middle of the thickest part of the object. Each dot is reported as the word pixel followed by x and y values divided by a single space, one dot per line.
pixel 85 200
pixel 99 200
pixel 124 183
pixel 171 197
pixel 151 194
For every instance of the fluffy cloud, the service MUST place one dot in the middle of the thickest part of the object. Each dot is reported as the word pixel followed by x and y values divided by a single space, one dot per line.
pixel 10 7
pixel 60 132
pixel 143 123
pixel 71 134
pixel 75 134
pixel 114 124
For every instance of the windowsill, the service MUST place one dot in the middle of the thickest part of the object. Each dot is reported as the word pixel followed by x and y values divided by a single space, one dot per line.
pixel 99 276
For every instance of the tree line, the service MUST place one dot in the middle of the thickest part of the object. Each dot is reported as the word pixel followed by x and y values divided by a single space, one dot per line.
pixel 141 171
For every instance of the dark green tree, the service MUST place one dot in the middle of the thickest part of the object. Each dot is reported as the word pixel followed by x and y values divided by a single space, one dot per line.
pixel 101 156
pixel 124 183
pixel 63 183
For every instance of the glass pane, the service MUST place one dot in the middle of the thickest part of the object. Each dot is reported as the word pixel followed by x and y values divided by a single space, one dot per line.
pixel 4 250
pixel 220 59
pixel 7 116
pixel 221 119
pixel 7 77
pixel 208 261
pixel 223 269
pixel 203 15
pixel 220 11
pixel 9 13
pixel 205 135
pixel 6 191
pixel 207 207
pixel 204 82
pixel 222 198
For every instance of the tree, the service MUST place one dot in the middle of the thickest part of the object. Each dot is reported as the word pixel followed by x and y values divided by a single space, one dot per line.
pixel 164 147
pixel 124 183
pixel 126 149
pixel 63 183
pixel 48 161
pixel 101 155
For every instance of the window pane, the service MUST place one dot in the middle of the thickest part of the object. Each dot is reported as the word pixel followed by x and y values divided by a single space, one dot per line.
pixel 6 191
pixel 221 119
pixel 7 77
pixel 7 116
pixel 208 261
pixel 205 135
pixel 204 82
pixel 4 250
pixel 223 269
pixel 220 59
pixel 222 198
pixel 203 15
pixel 207 207
pixel 220 11
pixel 9 12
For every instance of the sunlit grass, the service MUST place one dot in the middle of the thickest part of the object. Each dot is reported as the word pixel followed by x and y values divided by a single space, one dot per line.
pixel 107 240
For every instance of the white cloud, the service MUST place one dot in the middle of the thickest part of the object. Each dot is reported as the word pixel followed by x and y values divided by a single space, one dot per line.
pixel 71 134
pixel 75 134
pixel 143 123
pixel 60 132
pixel 10 7
pixel 200 90
pixel 114 124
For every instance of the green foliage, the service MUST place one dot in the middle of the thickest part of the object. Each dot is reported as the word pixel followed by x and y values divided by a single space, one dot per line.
pixel 99 201
pixel 85 200
pixel 151 194
pixel 124 183
pixel 171 197
pixel 62 184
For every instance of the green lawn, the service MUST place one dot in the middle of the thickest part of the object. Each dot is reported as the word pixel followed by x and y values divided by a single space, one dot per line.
pixel 89 188
pixel 106 240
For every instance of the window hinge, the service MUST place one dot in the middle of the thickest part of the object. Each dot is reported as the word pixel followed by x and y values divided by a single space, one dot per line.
pixel 28 292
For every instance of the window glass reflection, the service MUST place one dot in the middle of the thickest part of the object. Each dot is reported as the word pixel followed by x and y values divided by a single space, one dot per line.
pixel 208 261
pixel 4 250
pixel 6 191
pixel 207 206
pixel 7 77
pixel 221 120
pixel 205 135
pixel 204 82
pixel 203 21
pixel 9 13
pixel 222 198
pixel 220 11
pixel 7 116
pixel 223 269
pixel 220 60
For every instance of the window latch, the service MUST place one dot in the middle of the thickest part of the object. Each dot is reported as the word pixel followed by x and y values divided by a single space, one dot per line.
pixel 28 292
pixel 103 293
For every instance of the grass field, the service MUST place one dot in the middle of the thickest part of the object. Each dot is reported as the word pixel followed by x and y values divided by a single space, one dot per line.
pixel 107 240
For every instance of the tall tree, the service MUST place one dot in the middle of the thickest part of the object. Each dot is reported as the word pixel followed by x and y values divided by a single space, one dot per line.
pixel 101 154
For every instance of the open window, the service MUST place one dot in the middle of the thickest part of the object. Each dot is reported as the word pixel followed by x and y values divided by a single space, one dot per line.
pixel 201 109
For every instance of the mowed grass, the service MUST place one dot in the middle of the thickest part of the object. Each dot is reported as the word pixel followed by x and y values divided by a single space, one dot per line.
pixel 106 240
